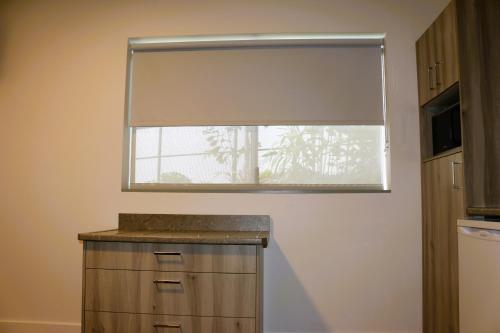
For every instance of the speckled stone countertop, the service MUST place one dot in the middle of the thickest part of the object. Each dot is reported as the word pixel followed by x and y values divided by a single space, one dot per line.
pixel 198 229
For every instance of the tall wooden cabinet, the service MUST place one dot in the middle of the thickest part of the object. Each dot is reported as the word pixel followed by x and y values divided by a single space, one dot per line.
pixel 442 175
pixel 443 204
pixel 458 64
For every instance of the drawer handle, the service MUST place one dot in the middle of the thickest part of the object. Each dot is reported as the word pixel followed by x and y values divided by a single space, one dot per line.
pixel 167 281
pixel 158 253
pixel 453 179
pixel 431 81
pixel 158 325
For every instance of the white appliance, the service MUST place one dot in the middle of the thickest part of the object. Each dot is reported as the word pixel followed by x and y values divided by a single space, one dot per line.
pixel 479 276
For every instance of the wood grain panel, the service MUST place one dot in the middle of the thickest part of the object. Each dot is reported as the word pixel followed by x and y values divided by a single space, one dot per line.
pixel 202 294
pixel 207 294
pixel 106 322
pixel 437 56
pixel 446 48
pixel 442 206
pixel 83 287
pixel 423 53
pixel 426 60
pixel 259 295
pixel 483 211
pixel 479 52
pixel 119 291
pixel 429 195
pixel 191 258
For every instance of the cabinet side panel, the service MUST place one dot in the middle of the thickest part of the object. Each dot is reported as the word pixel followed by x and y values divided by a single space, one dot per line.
pixel 479 51
pixel 429 195
pixel 446 56
pixel 84 269
pixel 259 291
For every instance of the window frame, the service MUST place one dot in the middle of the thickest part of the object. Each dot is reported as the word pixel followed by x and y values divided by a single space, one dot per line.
pixel 128 172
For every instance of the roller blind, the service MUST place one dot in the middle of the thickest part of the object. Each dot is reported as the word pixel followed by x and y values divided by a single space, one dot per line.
pixel 257 85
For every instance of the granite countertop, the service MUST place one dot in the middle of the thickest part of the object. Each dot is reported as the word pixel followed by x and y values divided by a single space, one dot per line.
pixel 197 229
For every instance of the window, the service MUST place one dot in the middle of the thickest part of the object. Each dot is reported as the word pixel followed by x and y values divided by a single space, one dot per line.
pixel 256 117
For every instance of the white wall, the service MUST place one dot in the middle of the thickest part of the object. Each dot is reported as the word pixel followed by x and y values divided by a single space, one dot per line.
pixel 336 263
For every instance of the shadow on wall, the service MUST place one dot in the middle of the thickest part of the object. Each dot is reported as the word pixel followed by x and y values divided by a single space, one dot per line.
pixel 287 307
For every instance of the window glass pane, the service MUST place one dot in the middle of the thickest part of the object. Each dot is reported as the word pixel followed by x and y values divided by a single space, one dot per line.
pixel 321 154
pixel 184 140
pixel 200 155
pixel 295 155
pixel 146 143
pixel 146 170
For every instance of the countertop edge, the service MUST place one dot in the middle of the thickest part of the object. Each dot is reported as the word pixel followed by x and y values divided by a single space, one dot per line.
pixel 94 236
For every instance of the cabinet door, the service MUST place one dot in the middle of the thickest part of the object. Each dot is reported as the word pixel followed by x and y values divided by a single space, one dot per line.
pixel 425 67
pixel 442 199
pixel 446 54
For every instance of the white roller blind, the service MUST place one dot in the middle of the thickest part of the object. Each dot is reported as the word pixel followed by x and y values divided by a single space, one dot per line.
pixel 257 85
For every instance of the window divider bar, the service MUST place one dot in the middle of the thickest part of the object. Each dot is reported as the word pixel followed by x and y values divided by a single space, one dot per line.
pixel 255 153
pixel 160 140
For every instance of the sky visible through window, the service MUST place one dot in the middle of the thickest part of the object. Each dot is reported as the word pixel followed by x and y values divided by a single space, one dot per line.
pixel 259 155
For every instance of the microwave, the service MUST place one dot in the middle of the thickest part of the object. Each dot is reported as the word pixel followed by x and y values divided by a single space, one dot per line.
pixel 446 130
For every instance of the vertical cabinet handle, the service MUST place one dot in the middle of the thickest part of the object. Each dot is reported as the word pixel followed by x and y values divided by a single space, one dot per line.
pixel 436 66
pixel 159 325
pixel 453 178
pixel 431 81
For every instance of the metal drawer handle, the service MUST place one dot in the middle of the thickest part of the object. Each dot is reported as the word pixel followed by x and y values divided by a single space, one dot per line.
pixel 167 281
pixel 158 325
pixel 453 179
pixel 160 253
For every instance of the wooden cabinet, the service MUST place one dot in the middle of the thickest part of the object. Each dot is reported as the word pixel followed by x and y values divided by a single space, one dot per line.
pixel 442 176
pixel 153 287
pixel 479 30
pixel 437 56
pixel 442 205
pixel 471 30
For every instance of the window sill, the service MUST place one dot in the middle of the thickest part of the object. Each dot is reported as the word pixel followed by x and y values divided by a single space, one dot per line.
pixel 251 188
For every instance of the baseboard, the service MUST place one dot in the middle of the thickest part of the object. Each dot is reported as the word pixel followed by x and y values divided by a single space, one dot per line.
pixel 377 331
pixel 8 326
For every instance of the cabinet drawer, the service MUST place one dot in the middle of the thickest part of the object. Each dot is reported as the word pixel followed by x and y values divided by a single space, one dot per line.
pixel 172 257
pixel 172 293
pixel 106 322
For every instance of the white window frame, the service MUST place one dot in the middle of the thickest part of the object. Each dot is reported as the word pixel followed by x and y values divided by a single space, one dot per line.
pixel 128 172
